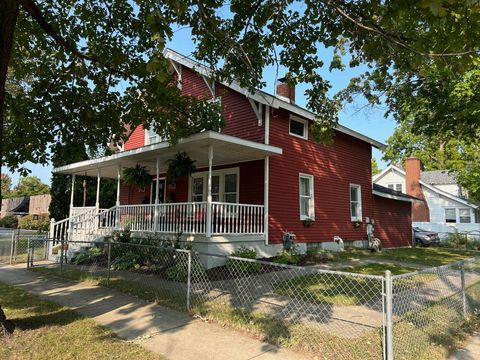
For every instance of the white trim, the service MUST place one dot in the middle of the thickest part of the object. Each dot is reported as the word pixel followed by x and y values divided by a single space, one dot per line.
pixel 428 186
pixel 359 216
pixel 266 181
pixel 311 205
pixel 221 185
pixel 263 97
pixel 207 135
pixel 267 124
pixel 394 184
pixel 298 120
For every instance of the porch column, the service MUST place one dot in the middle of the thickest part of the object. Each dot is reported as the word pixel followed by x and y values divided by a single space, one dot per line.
pixel 71 196
pixel 266 176
pixel 117 203
pixel 157 170
pixel 209 192
pixel 97 202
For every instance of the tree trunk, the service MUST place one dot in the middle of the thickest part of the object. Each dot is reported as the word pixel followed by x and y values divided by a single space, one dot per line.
pixel 8 20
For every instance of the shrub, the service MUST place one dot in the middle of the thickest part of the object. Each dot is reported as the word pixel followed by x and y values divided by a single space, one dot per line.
pixel 87 257
pixel 35 222
pixel 126 262
pixel 243 266
pixel 9 221
pixel 179 272
pixel 287 257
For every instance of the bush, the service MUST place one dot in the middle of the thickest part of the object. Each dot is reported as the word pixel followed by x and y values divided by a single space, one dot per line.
pixel 126 262
pixel 87 257
pixel 35 222
pixel 9 221
pixel 179 272
pixel 287 257
pixel 234 265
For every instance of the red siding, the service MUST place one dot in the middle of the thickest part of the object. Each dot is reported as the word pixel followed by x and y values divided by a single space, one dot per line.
pixel 393 222
pixel 136 139
pixel 334 167
pixel 250 187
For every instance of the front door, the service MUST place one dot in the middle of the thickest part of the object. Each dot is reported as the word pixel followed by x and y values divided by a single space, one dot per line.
pixel 161 191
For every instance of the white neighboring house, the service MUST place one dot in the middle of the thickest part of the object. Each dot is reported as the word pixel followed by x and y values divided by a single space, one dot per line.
pixel 444 210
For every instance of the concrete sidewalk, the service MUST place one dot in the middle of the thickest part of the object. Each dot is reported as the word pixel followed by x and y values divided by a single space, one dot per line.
pixel 471 350
pixel 171 333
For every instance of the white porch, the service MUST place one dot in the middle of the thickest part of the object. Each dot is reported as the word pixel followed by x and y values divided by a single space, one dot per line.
pixel 204 218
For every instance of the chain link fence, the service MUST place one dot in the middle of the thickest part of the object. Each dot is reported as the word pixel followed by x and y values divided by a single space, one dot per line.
pixel 14 247
pixel 329 314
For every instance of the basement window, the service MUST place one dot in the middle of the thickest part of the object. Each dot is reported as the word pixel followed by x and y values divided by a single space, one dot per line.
pixel 298 127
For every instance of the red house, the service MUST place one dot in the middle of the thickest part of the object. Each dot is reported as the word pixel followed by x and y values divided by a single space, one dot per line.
pixel 260 177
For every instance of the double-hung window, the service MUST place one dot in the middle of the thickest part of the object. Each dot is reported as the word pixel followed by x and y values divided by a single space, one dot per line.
pixel 307 205
pixel 396 187
pixel 355 202
pixel 464 216
pixel 450 215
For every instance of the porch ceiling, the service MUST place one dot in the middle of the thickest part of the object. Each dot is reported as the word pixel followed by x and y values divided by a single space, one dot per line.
pixel 226 150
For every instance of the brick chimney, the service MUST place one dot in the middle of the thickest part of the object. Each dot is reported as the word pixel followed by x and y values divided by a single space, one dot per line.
pixel 285 91
pixel 420 210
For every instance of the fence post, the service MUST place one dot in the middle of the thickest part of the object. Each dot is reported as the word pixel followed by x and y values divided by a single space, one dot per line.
pixel 389 315
pixel 109 254
pixel 464 293
pixel 189 278
pixel 12 248
pixel 28 253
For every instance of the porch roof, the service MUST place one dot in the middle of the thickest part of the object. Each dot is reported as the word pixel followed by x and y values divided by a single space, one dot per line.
pixel 227 150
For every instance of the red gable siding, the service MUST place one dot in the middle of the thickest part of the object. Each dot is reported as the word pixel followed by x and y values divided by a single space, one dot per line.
pixel 393 222
pixel 136 139
pixel 334 167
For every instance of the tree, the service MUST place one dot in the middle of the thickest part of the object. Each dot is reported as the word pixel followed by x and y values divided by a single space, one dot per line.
pixel 90 64
pixel 93 63
pixel 375 168
pixel 6 182
pixel 29 186
pixel 461 158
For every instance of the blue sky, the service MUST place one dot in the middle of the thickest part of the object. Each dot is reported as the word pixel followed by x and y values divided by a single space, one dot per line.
pixel 368 121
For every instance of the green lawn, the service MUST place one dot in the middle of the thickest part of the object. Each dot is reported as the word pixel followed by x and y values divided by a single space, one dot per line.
pixel 164 297
pixel 378 269
pixel 431 256
pixel 46 330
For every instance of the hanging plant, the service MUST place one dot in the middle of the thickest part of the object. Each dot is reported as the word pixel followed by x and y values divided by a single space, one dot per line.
pixel 137 176
pixel 181 165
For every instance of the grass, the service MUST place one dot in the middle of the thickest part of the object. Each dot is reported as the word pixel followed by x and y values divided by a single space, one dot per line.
pixel 46 330
pixel 296 336
pixel 431 256
pixel 146 292
pixel 378 269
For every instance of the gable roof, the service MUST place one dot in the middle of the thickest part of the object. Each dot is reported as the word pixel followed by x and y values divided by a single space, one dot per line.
pixel 264 97
pixel 423 183
pixel 438 177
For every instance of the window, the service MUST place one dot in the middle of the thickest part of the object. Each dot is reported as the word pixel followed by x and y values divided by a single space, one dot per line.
pixel 152 137
pixel 230 193
pixel 298 127
pixel 224 186
pixel 355 202
pixel 464 216
pixel 197 189
pixel 450 216
pixel 307 207
pixel 396 187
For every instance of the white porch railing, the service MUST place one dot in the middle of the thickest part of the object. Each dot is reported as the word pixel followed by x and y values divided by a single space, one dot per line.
pixel 188 218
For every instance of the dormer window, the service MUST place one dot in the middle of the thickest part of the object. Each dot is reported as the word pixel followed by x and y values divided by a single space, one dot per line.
pixel 298 127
